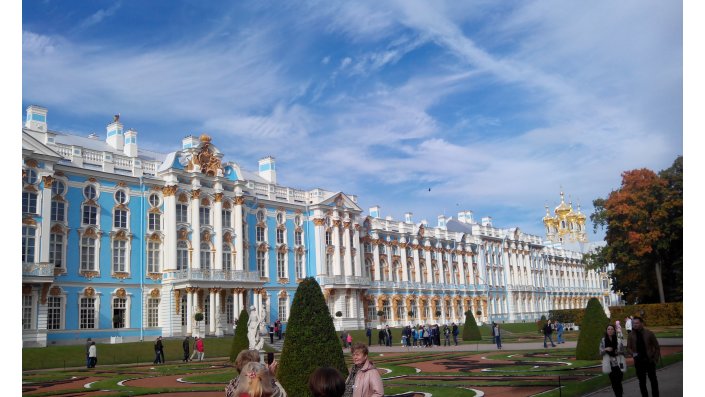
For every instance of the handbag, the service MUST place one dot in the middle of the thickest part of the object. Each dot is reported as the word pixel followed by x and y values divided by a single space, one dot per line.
pixel 606 367
pixel 622 361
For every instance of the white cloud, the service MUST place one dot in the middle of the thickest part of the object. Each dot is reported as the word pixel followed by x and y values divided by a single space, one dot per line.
pixel 99 16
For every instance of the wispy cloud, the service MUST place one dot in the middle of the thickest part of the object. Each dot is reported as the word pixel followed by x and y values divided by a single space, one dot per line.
pixel 99 16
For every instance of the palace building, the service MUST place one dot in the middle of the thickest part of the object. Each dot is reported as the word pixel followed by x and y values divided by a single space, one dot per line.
pixel 123 242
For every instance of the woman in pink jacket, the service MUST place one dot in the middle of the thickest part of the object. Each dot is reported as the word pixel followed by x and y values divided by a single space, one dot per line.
pixel 364 379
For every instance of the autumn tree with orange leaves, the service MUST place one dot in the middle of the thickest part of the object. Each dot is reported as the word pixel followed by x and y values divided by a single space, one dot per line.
pixel 644 234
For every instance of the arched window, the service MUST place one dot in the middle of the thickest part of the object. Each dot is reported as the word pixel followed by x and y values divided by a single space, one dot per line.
pixel 153 257
pixel 28 243
pixel 182 258
pixel 227 257
pixel 205 256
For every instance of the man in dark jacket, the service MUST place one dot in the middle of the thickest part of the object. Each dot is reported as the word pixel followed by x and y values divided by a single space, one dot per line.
pixel 455 333
pixel 158 351
pixel 644 347
pixel 184 344
pixel 547 331
pixel 368 332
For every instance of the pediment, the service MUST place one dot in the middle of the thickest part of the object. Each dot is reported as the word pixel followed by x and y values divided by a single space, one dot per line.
pixel 341 200
pixel 34 147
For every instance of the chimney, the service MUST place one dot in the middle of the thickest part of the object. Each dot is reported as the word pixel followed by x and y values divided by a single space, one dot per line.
pixel 131 143
pixel 116 138
pixel 189 142
pixel 374 211
pixel 469 217
pixel 487 221
pixel 407 217
pixel 36 118
pixel 442 221
pixel 267 169
pixel 461 217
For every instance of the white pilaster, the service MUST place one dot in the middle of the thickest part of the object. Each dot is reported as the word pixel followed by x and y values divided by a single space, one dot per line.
pixel 239 235
pixel 347 260
pixel 170 236
pixel 211 310
pixel 46 221
pixel 218 230
pixel 336 252
pixel 189 311
pixel 196 229
pixel 358 251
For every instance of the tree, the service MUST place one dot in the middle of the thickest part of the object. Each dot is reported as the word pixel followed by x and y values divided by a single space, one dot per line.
pixel 470 330
pixel 311 341
pixel 240 341
pixel 644 234
pixel 592 329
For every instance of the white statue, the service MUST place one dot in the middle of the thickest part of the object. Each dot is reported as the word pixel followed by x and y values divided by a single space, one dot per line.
pixel 253 332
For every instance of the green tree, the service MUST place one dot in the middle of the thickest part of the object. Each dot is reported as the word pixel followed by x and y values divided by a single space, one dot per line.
pixel 240 341
pixel 644 234
pixel 311 341
pixel 470 330
pixel 592 329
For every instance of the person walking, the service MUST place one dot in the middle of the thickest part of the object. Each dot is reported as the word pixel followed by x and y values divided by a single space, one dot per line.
pixel 158 351
pixel 88 346
pixel 455 331
pixel 185 346
pixel 368 332
pixel 92 355
pixel 547 331
pixel 364 379
pixel 497 335
pixel 643 346
pixel 559 332
pixel 195 350
pixel 613 361
pixel 628 324
pixel 348 339
pixel 389 336
pixel 446 335
pixel 201 349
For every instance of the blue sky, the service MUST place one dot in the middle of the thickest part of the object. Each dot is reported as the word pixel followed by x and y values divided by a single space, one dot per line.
pixel 494 106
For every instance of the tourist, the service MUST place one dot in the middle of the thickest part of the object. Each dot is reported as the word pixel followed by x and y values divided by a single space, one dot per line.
pixel 349 339
pixel 446 335
pixel 368 332
pixel 644 347
pixel 88 346
pixel 559 332
pixel 618 330
pixel 158 351
pixel 201 349
pixel 382 335
pixel 364 379
pixel 195 349
pixel 497 334
pixel 184 344
pixel 613 362
pixel 92 355
pixel 276 329
pixel 389 336
pixel 326 382
pixel 628 324
pixel 272 330
pixel 547 331
pixel 415 336
pixel 427 335
pixel 455 331
pixel 255 380
pixel 248 356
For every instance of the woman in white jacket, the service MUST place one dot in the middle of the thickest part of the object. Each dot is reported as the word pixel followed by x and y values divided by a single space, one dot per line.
pixel 92 355
pixel 613 361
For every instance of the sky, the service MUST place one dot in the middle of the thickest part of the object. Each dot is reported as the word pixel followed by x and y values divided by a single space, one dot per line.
pixel 423 107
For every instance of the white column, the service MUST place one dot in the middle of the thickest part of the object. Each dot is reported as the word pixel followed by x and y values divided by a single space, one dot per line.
pixel 196 227
pixel 239 235
pixel 218 230
pixel 336 252
pixel 375 262
pixel 46 220
pixel 320 246
pixel 417 266
pixel 169 193
pixel 358 250
pixel 510 296
pixel 347 259
pixel 404 272
pixel 429 266
pixel 189 311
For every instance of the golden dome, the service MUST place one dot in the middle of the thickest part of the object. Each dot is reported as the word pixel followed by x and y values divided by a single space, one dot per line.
pixel 205 138
pixel 563 209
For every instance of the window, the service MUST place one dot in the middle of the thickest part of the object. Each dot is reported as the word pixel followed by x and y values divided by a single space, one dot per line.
pixel 329 264
pixel 206 309
pixel 183 310
pixel 259 234
pixel 88 253
pixel 261 263
pixel 281 264
pixel 387 309
pixel 260 216
pixel 153 259
pixel 30 176
pixel 58 211
pixel 298 240
pixel 205 256
pixel 371 312
pixel 427 309
pixel 299 265
pixel 27 311
pixel 90 215
pixel 436 307
pixel 154 222
pixel 120 219
pixel 400 311
pixel 28 243
pixel 152 312
pixel 226 218
pixel 204 214
pixel 54 312
pixel 181 213
pixel 181 255
pixel 89 192
pixel 329 238
pixel 86 315
pixel 56 249
pixel 227 258
pixel 280 218
pixel 58 188
pixel 119 311
pixel 297 220
pixel 120 197
pixel 29 202
pixel 229 309
pixel 282 308
pixel 280 236
pixel 154 200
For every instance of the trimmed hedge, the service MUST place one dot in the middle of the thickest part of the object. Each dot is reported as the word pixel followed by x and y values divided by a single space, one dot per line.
pixel 240 341
pixel 567 315
pixel 311 341
pixel 654 314
pixel 470 330
pixel 592 329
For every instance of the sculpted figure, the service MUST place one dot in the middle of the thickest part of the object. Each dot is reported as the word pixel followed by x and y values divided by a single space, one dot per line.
pixel 253 334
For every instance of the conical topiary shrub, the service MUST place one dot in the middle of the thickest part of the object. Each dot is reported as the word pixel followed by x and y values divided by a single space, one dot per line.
pixel 311 341
pixel 591 330
pixel 240 341
pixel 470 330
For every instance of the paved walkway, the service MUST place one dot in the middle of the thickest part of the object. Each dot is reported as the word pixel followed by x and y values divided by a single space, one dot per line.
pixel 670 383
